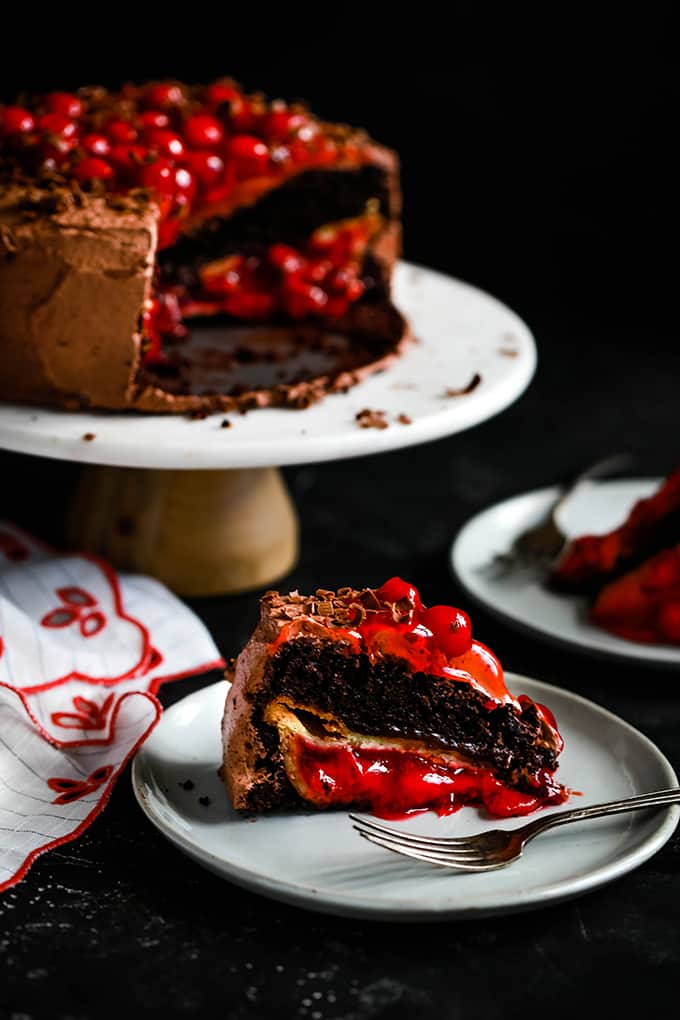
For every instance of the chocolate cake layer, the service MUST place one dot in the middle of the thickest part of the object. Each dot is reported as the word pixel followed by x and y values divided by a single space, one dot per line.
pixel 388 700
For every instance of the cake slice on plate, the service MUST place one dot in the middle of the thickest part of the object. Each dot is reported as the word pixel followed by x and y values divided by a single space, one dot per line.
pixel 368 698
pixel 126 215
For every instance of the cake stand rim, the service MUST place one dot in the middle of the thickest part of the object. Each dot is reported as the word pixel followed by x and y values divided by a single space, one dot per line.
pixel 61 435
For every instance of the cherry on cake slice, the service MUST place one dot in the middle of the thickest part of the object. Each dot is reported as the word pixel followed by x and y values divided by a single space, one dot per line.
pixel 368 698
pixel 125 216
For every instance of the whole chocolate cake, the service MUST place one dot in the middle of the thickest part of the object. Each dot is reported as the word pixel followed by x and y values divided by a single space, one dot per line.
pixel 368 698
pixel 125 215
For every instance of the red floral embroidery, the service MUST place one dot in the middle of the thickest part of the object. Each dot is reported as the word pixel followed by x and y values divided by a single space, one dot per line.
pixel 74 609
pixel 88 715
pixel 13 549
pixel 76 596
pixel 73 789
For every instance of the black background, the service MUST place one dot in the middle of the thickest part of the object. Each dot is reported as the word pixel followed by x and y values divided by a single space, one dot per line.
pixel 546 175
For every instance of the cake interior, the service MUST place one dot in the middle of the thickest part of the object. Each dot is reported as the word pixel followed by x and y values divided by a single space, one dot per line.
pixel 340 729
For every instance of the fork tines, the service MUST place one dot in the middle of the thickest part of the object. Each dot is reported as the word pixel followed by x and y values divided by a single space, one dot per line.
pixel 467 854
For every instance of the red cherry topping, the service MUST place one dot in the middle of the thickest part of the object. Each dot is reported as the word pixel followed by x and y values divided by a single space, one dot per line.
pixel 96 145
pixel 57 150
pixel 250 154
pixel 120 131
pixel 282 123
pixel 451 628
pixel 167 143
pixel 159 175
pixel 185 183
pixel 15 120
pixel 395 589
pixel 301 298
pixel 57 124
pixel 668 621
pixel 64 103
pixel 154 119
pixel 128 157
pixel 221 92
pixel 203 131
pixel 664 571
pixel 207 167
pixel 285 258
pixel 164 94
pixel 93 169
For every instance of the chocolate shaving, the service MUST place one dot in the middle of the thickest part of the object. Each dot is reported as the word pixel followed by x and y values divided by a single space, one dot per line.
pixel 8 242
pixel 368 419
pixel 403 610
pixel 370 600
pixel 472 385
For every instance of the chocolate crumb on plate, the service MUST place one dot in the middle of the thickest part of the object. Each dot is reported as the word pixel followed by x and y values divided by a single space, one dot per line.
pixel 404 419
pixel 472 385
pixel 225 424
pixel 205 801
pixel 187 785
pixel 368 419
pixel 88 437
pixel 508 352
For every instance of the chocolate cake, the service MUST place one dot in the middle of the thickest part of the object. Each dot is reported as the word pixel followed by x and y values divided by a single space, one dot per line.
pixel 368 698
pixel 631 574
pixel 126 215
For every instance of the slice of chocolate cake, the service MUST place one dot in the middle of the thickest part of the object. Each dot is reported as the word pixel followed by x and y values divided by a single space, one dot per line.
pixel 368 698
pixel 126 215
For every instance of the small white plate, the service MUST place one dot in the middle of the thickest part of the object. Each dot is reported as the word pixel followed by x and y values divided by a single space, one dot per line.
pixel 520 596
pixel 317 861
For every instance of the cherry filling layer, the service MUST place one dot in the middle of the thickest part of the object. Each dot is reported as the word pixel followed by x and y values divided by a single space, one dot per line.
pixel 394 783
pixel 318 280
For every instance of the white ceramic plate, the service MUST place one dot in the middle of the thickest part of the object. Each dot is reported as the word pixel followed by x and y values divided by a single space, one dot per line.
pixel 461 331
pixel 520 596
pixel 317 861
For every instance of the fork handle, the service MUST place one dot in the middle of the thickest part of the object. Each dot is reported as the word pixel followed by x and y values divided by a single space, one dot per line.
pixel 614 807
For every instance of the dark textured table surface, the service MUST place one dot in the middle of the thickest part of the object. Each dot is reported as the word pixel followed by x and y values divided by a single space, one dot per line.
pixel 551 186
pixel 121 922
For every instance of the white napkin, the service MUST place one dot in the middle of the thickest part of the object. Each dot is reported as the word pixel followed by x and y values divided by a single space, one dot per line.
pixel 82 653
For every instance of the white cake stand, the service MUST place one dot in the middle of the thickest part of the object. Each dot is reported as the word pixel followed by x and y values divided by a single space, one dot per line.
pixel 209 514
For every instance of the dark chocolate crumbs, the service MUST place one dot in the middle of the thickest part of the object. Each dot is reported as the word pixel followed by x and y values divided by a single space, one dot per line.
pixel 188 784
pixel 472 385
pixel 225 424
pixel 204 801
pixel 89 436
pixel 368 419
pixel 404 419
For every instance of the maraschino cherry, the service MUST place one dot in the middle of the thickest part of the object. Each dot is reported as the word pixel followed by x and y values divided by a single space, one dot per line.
pixel 15 120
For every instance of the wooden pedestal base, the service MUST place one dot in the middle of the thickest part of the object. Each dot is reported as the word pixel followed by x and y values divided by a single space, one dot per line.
pixel 200 532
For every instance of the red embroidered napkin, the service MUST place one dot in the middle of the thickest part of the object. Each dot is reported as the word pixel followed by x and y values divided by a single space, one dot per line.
pixel 82 653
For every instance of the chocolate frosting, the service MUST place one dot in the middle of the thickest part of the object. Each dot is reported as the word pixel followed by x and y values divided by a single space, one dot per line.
pixel 76 268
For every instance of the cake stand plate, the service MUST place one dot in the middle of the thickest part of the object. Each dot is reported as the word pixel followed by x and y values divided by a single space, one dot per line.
pixel 210 514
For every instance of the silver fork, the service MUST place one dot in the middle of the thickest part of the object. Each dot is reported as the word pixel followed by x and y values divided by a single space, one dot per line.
pixel 542 542
pixel 487 851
